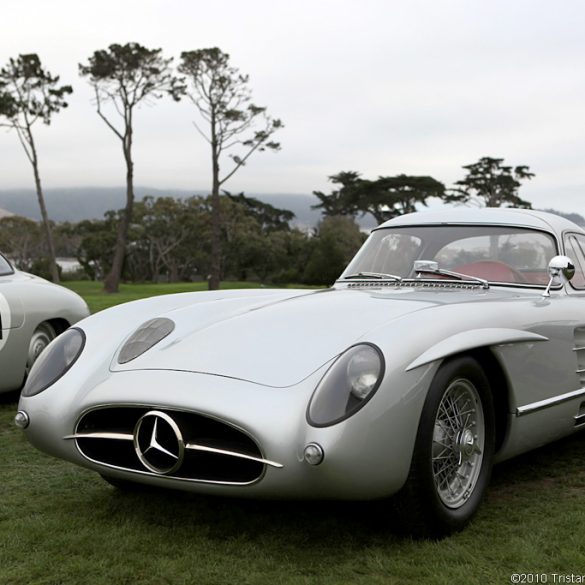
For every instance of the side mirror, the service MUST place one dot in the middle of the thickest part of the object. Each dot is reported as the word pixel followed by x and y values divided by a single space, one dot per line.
pixel 561 270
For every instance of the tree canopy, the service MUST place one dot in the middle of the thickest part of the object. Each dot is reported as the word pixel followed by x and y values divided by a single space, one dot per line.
pixel 29 93
pixel 384 198
pixel 489 183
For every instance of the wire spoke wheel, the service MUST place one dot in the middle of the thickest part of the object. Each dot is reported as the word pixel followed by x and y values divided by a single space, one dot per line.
pixel 458 443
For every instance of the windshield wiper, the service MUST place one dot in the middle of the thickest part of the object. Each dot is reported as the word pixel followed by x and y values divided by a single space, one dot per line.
pixel 431 267
pixel 378 275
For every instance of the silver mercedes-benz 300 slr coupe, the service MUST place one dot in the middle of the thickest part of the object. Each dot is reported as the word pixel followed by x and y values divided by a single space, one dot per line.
pixel 33 312
pixel 454 339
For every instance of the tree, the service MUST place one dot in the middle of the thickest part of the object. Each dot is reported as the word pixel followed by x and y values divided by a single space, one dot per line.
pixel 490 184
pixel 21 239
pixel 126 76
pixel 97 239
pixel 29 93
pixel 342 201
pixel 336 241
pixel 235 127
pixel 384 197
pixel 169 232
pixel 269 217
pixel 389 197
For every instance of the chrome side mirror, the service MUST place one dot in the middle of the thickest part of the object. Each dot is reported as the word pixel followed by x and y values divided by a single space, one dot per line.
pixel 561 270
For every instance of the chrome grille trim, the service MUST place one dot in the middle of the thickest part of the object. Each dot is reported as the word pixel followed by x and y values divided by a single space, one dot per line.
pixel 115 436
pixel 212 472
pixel 205 448
pixel 192 446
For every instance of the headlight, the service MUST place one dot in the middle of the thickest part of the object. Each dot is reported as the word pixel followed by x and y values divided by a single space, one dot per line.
pixel 147 335
pixel 59 356
pixel 347 385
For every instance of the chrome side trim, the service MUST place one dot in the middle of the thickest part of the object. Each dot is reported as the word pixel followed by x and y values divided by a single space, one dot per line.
pixel 578 348
pixel 196 447
pixel 99 435
pixel 580 371
pixel 553 401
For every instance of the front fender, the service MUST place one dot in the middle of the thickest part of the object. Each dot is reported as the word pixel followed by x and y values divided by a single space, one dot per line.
pixel 473 339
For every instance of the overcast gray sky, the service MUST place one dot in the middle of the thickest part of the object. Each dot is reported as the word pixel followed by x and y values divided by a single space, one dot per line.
pixel 380 87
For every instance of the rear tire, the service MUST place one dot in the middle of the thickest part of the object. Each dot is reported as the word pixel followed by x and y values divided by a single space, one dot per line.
pixel 41 337
pixel 453 453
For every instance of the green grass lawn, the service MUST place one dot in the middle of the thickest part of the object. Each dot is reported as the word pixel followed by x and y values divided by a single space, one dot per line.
pixel 60 524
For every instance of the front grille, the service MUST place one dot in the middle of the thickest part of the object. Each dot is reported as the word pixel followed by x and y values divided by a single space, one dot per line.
pixel 212 451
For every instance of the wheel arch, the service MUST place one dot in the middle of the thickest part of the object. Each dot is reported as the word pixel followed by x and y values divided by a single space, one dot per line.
pixel 500 388
pixel 58 324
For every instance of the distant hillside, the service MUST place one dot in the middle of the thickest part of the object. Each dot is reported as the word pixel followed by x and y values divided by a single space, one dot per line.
pixel 75 204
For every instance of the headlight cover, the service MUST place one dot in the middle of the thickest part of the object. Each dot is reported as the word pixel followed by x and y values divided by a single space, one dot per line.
pixel 147 335
pixel 55 361
pixel 347 386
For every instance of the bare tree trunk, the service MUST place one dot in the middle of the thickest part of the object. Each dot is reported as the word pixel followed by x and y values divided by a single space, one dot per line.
pixel 112 280
pixel 215 276
pixel 44 215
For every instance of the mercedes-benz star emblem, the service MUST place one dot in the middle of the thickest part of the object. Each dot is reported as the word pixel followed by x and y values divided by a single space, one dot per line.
pixel 158 442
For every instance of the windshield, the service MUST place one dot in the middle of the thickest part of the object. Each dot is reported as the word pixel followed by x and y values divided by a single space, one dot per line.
pixel 495 253
pixel 5 267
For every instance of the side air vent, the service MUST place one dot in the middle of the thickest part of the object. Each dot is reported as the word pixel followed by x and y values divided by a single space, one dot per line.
pixel 579 350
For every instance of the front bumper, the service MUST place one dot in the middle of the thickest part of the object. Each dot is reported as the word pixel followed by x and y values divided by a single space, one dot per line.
pixel 366 456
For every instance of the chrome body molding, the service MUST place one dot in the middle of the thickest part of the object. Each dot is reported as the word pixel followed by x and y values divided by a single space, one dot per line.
pixel 548 402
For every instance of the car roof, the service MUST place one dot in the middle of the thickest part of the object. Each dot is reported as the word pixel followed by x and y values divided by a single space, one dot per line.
pixel 487 215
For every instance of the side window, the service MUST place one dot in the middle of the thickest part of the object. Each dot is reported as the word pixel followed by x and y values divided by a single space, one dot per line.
pixel 575 249
pixel 5 267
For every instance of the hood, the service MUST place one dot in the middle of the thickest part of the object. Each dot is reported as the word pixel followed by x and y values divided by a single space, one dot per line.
pixel 274 343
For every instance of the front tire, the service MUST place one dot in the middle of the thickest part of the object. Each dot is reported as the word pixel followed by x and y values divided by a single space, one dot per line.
pixel 453 453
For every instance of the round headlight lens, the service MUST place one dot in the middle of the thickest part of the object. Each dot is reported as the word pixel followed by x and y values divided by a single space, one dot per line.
pixel 363 371
pixel 347 385
pixel 57 358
